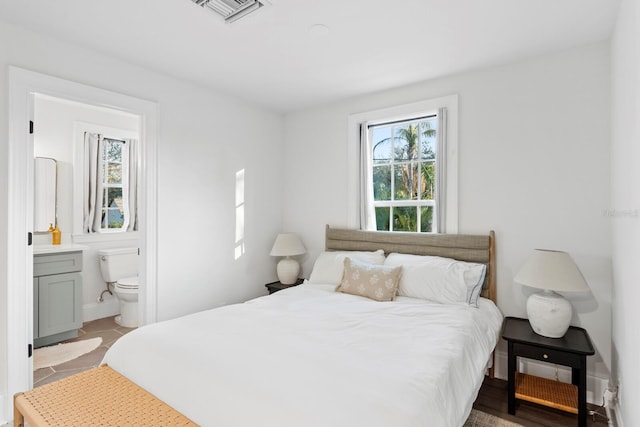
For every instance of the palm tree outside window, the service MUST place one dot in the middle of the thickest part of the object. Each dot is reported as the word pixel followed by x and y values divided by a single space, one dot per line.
pixel 405 159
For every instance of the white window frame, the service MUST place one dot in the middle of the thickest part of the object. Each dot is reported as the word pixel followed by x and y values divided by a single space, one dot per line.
pixel 16 370
pixel 402 112
pixel 80 128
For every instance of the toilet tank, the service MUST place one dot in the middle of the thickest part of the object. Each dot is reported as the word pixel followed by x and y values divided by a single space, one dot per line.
pixel 118 263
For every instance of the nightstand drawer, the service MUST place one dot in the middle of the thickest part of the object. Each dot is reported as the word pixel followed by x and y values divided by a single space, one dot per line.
pixel 546 355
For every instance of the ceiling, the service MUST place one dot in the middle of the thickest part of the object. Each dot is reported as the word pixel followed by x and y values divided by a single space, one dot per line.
pixel 271 57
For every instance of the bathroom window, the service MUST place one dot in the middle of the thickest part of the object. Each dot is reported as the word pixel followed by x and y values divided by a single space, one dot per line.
pixel 114 181
pixel 110 184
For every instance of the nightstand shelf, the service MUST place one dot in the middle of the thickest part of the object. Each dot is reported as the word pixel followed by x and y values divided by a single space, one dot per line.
pixel 543 391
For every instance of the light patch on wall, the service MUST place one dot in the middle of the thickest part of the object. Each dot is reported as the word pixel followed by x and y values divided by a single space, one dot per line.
pixel 239 250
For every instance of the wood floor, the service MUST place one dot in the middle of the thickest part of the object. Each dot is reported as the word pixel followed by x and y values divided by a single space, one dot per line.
pixel 492 399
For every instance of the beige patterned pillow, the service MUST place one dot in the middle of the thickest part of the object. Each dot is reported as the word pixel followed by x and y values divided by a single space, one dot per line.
pixel 378 282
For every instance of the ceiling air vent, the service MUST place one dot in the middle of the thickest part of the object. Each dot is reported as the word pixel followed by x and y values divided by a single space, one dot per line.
pixel 230 10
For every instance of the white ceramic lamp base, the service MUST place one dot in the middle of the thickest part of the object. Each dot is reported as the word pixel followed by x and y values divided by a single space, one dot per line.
pixel 549 314
pixel 288 270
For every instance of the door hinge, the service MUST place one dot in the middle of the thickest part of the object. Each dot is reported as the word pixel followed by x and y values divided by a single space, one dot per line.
pixel 30 350
pixel 30 127
pixel 29 238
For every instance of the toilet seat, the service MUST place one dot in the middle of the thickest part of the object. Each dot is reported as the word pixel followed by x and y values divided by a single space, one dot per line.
pixel 128 283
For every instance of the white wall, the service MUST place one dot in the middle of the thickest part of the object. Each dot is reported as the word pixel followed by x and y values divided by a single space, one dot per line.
pixel 625 201
pixel 204 138
pixel 4 154
pixel 54 137
pixel 533 166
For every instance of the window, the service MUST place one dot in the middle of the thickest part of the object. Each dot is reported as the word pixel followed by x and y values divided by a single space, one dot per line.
pixel 403 167
pixel 109 181
pixel 114 182
pixel 404 163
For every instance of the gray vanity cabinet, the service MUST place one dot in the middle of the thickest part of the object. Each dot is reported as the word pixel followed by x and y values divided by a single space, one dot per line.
pixel 57 297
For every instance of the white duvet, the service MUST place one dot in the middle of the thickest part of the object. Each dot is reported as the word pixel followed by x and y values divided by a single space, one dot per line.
pixel 308 356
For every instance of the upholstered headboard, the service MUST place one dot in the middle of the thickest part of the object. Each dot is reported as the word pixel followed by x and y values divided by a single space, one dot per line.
pixel 463 247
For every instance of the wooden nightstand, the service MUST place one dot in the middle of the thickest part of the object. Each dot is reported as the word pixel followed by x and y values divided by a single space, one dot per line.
pixel 571 350
pixel 277 286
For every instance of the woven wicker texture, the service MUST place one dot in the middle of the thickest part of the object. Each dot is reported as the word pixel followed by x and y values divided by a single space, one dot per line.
pixel 98 397
pixel 547 392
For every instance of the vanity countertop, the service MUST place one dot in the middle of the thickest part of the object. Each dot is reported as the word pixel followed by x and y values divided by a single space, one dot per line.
pixel 52 249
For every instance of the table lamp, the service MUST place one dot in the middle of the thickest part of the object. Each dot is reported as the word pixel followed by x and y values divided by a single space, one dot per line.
pixel 550 313
pixel 287 245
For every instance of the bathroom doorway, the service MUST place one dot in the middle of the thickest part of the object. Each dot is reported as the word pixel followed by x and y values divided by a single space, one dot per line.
pixel 63 131
pixel 24 87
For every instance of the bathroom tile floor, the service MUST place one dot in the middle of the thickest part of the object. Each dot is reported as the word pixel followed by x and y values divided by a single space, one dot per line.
pixel 106 328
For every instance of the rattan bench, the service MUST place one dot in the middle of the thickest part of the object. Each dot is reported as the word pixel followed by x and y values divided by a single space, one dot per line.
pixel 98 397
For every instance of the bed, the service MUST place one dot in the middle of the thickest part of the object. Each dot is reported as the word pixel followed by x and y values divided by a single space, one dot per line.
pixel 314 355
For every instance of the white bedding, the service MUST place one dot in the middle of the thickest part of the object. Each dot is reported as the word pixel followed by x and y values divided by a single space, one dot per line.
pixel 308 356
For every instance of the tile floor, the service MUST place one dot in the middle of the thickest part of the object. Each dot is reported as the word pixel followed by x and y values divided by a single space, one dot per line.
pixel 106 328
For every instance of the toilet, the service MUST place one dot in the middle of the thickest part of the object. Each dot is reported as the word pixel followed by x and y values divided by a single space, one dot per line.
pixel 119 267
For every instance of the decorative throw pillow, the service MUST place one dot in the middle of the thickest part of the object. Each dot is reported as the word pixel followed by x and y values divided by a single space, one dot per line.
pixel 377 282
pixel 329 266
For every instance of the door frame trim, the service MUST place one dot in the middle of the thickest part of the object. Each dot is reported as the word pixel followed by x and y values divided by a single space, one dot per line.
pixel 23 84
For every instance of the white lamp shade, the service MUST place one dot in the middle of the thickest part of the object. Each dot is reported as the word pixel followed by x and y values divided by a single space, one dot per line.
pixel 287 244
pixel 553 270
pixel 550 313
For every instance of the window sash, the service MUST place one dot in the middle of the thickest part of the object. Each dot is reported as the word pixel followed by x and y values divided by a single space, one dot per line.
pixel 404 203
pixel 412 212
pixel 105 225
pixel 393 163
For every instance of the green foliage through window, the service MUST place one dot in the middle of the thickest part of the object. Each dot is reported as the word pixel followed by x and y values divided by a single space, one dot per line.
pixel 113 204
pixel 404 174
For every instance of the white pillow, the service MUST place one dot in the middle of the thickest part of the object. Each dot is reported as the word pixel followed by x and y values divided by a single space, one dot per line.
pixel 443 280
pixel 474 278
pixel 329 266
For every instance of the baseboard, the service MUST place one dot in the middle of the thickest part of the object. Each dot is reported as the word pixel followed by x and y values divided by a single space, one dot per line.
pixel 2 421
pixel 100 310
pixel 613 413
pixel 596 386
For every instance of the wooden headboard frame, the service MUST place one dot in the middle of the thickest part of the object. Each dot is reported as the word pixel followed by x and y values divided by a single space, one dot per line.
pixel 463 247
